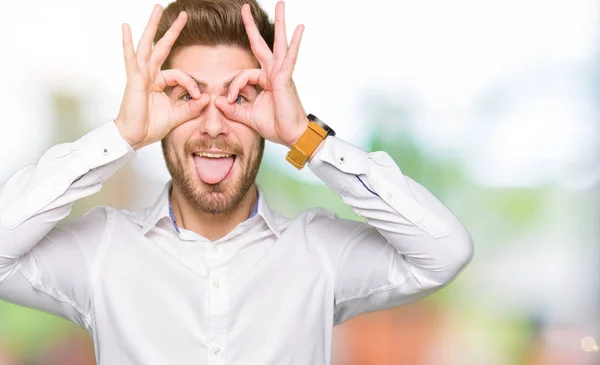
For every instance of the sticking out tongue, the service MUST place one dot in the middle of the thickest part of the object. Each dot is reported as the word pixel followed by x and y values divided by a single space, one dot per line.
pixel 213 170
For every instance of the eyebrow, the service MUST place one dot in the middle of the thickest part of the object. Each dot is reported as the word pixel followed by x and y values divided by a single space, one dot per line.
pixel 203 86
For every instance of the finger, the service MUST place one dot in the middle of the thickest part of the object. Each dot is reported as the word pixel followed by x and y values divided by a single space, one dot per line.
pixel 144 47
pixel 280 45
pixel 257 43
pixel 190 110
pixel 287 67
pixel 250 76
pixel 236 112
pixel 131 65
pixel 177 77
pixel 163 47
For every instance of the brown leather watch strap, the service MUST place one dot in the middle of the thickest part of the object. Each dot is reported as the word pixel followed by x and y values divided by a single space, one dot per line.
pixel 306 145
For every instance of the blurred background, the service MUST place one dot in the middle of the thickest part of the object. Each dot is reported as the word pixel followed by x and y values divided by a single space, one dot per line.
pixel 493 105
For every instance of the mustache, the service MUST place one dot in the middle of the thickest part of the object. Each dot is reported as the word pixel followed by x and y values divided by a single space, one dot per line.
pixel 209 143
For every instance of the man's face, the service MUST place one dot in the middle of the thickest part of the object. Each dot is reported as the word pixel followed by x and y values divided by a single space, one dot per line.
pixel 213 160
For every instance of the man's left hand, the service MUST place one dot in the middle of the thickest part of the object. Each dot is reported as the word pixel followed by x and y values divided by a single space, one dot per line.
pixel 276 113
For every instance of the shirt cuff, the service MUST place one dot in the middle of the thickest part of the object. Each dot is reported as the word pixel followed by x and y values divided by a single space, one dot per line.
pixel 102 145
pixel 100 152
pixel 338 163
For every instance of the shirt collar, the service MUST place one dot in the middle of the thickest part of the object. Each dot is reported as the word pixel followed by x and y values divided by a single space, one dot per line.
pixel 266 213
pixel 162 209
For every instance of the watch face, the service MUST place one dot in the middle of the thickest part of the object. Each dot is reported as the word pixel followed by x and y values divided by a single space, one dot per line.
pixel 329 130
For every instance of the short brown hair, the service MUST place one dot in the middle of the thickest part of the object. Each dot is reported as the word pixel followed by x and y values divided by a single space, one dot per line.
pixel 213 23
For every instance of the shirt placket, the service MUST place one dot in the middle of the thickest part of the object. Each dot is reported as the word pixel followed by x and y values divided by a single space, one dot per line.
pixel 218 307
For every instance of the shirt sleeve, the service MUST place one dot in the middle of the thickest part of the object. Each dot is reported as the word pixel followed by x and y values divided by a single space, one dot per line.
pixel 42 263
pixel 411 246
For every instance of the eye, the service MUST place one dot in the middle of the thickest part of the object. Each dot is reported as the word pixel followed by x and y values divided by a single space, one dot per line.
pixel 240 99
pixel 186 97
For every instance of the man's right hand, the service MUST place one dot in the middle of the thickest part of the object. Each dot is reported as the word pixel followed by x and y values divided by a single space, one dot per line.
pixel 147 114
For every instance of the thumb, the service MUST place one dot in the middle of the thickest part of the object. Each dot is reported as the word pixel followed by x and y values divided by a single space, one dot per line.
pixel 191 109
pixel 234 111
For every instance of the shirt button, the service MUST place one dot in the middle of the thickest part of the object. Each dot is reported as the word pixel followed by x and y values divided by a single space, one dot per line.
pixel 216 284
pixel 389 196
pixel 342 160
pixel 215 249
pixel 216 350
pixel 105 151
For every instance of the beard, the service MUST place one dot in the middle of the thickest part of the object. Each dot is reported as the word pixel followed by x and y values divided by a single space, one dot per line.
pixel 220 198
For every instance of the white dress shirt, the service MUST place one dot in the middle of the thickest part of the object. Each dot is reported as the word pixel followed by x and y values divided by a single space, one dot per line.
pixel 268 293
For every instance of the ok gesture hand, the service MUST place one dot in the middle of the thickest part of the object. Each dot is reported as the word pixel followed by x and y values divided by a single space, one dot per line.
pixel 277 113
pixel 147 114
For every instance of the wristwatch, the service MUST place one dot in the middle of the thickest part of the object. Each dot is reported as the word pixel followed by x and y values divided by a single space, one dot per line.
pixel 306 145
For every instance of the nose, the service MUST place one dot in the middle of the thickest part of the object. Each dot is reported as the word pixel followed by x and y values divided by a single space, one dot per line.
pixel 214 122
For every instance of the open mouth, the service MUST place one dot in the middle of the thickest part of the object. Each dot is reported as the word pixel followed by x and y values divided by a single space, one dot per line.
pixel 214 167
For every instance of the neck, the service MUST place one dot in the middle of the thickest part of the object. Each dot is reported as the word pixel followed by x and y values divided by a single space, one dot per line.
pixel 211 226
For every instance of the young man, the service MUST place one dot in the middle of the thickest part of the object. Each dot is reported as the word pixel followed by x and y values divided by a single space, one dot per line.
pixel 209 274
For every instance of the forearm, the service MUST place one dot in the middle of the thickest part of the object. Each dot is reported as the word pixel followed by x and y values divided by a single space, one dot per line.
pixel 433 241
pixel 37 197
